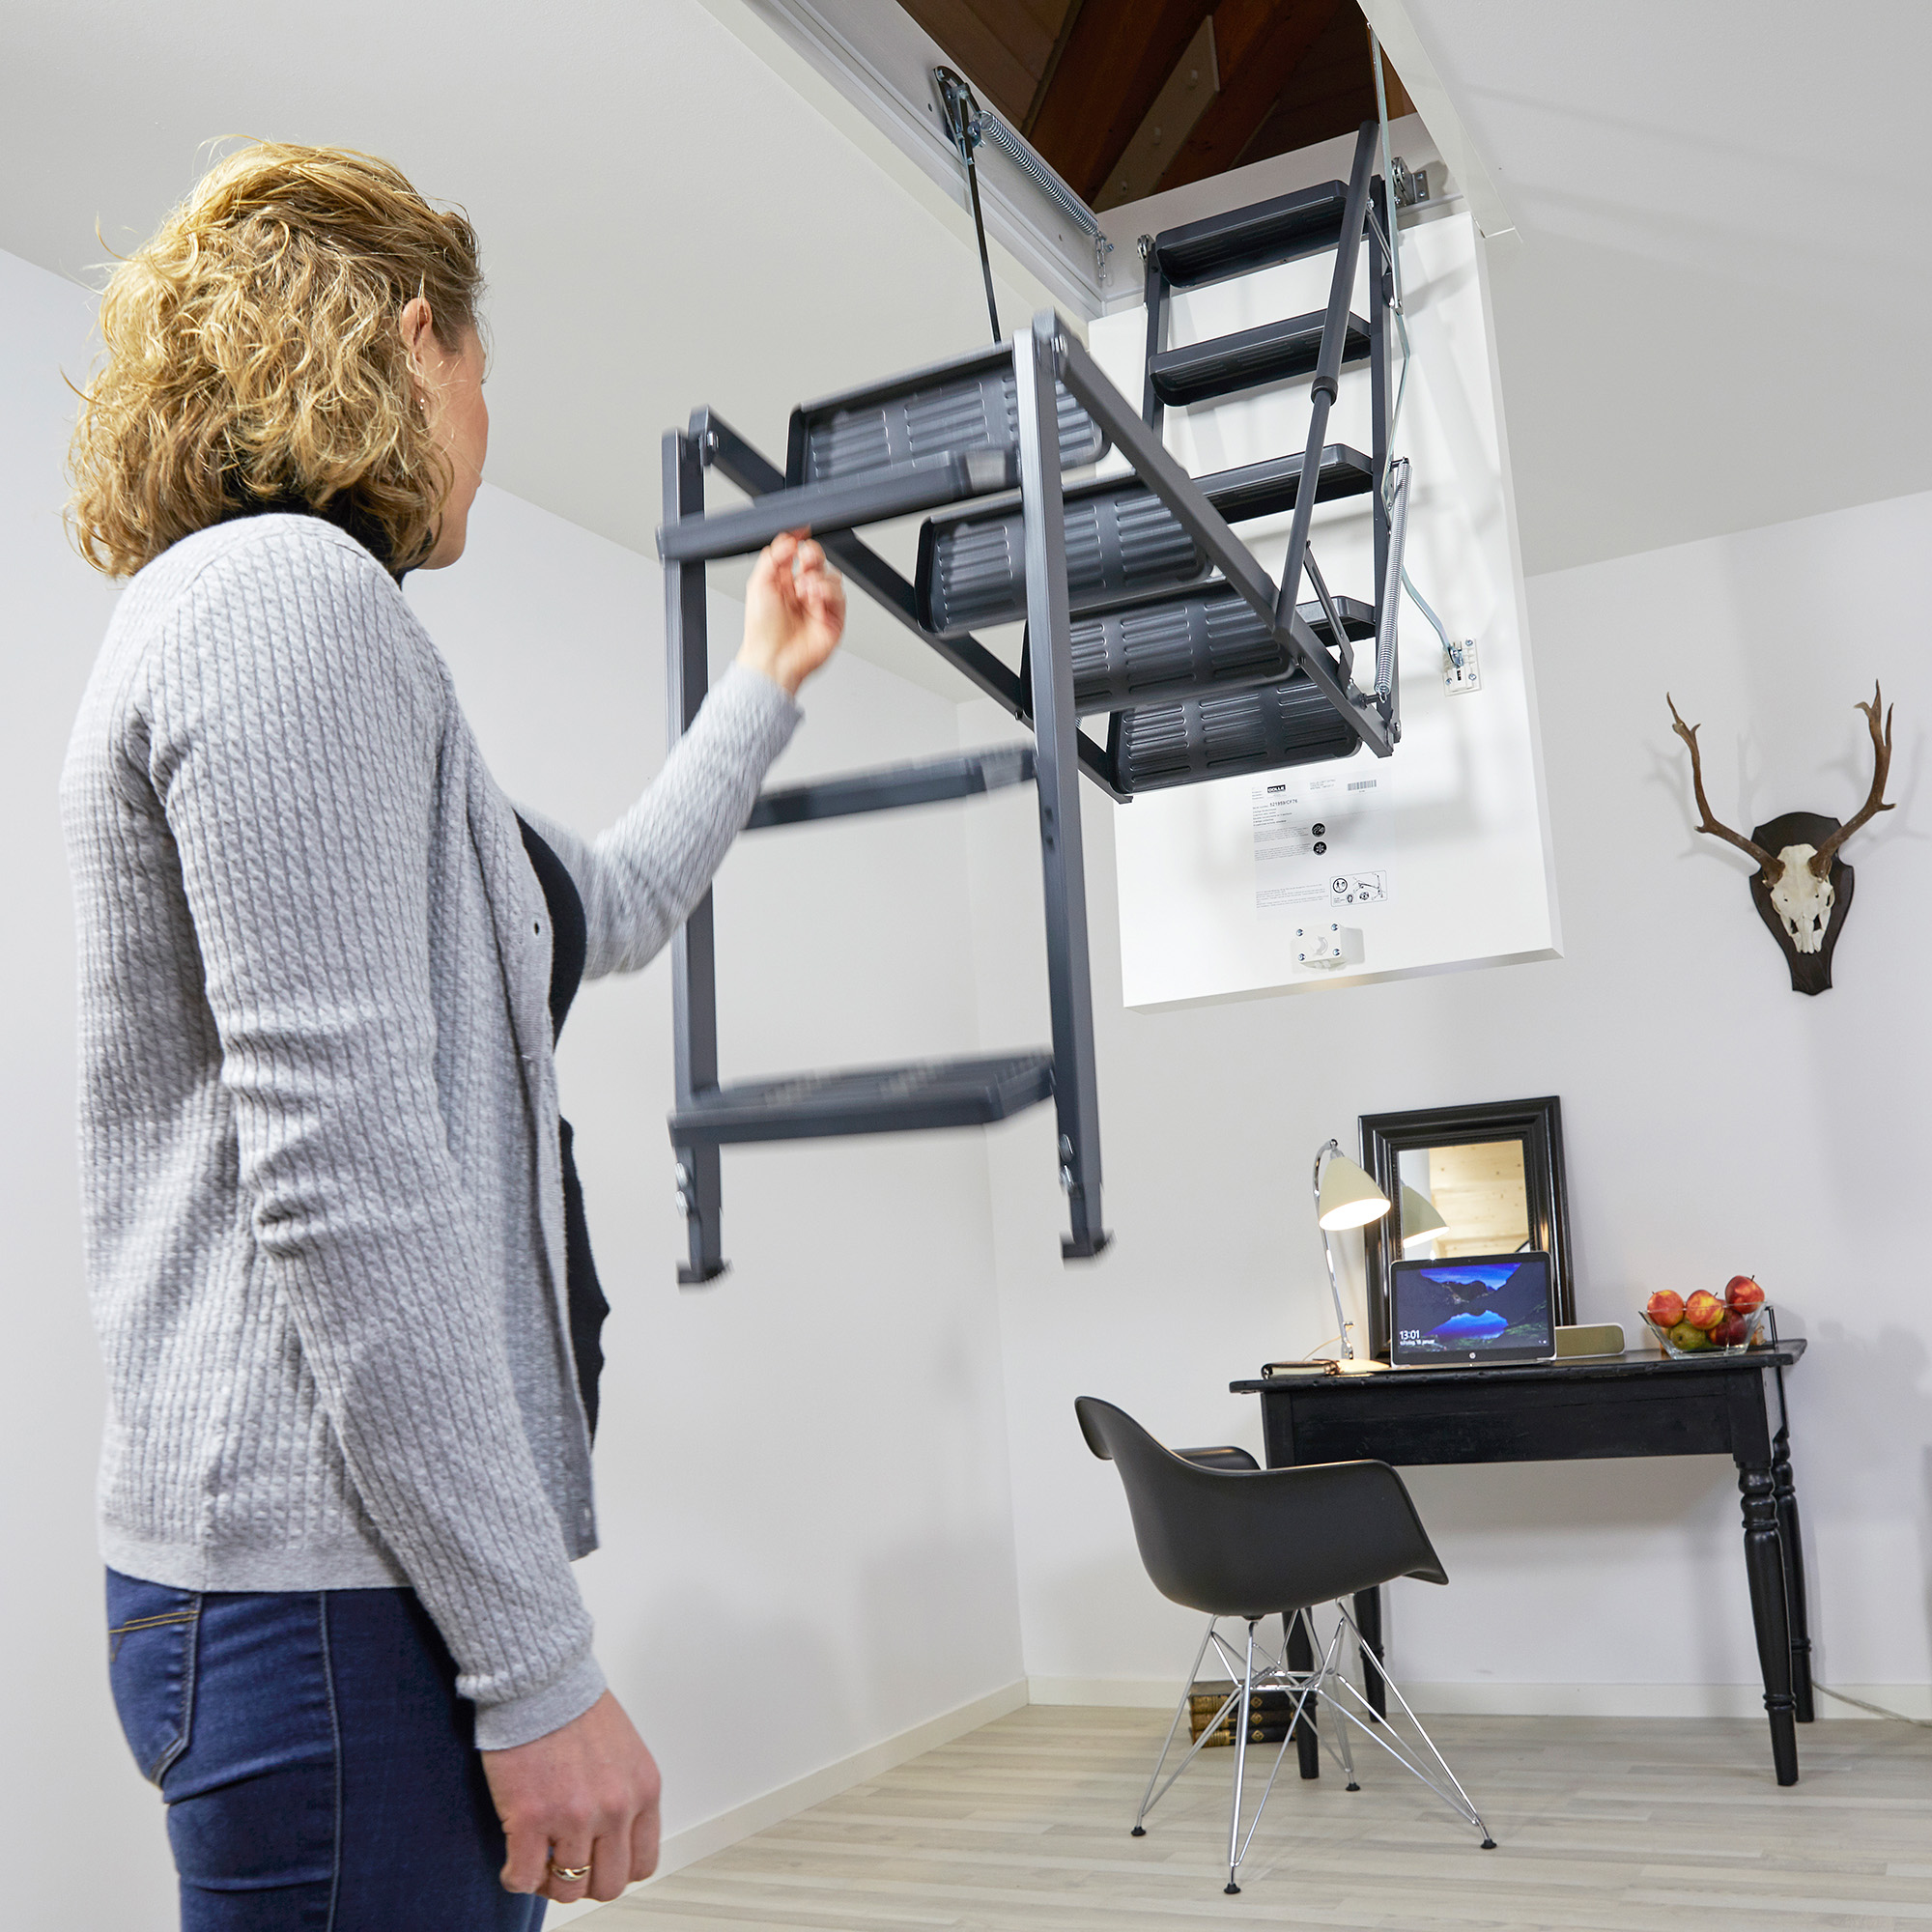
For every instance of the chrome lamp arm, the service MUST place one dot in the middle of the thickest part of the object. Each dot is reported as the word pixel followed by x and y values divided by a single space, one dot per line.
pixel 1342 1322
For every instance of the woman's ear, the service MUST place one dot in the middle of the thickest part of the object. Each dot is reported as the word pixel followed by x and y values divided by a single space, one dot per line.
pixel 415 324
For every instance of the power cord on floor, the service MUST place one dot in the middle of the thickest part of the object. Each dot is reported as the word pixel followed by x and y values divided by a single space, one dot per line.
pixel 1877 1709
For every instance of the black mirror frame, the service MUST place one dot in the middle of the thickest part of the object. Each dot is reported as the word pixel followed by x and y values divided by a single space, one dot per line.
pixel 1537 1123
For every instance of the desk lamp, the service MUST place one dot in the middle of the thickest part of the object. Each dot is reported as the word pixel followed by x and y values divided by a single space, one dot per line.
pixel 1345 1197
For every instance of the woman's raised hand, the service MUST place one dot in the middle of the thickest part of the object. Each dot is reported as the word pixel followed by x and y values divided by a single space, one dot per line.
pixel 794 611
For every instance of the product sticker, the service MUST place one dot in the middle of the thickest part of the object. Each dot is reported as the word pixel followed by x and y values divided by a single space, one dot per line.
pixel 1318 840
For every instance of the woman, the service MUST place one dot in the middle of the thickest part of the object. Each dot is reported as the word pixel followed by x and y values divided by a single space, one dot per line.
pixel 336 1252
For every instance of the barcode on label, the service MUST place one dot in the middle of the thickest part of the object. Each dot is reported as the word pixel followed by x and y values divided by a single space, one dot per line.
pixel 1361 785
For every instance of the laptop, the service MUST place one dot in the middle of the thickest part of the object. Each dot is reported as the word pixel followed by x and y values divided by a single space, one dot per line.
pixel 1471 1310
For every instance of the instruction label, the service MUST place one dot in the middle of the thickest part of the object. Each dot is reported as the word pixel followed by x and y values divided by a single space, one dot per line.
pixel 1318 840
pixel 1348 889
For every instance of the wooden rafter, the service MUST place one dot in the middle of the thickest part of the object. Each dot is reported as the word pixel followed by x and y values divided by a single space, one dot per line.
pixel 1331 94
pixel 1052 65
pixel 1114 62
pixel 1004 46
pixel 1271 41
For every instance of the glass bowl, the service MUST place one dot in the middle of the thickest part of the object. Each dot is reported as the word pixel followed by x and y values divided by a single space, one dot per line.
pixel 1758 1333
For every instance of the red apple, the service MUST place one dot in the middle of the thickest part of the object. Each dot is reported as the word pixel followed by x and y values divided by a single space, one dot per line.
pixel 1730 1333
pixel 1665 1308
pixel 1741 1292
pixel 1703 1310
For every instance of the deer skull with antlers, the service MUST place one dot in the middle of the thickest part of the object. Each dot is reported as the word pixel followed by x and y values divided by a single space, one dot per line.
pixel 1802 889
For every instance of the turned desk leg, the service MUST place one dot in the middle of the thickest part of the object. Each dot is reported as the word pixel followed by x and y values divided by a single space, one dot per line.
pixel 1796 1616
pixel 1764 1565
pixel 1300 1655
pixel 1369 1622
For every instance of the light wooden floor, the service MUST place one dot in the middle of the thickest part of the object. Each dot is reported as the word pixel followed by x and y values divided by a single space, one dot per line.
pixel 1644 1825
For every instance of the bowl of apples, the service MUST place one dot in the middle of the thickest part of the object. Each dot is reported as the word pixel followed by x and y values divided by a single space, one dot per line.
pixel 1704 1323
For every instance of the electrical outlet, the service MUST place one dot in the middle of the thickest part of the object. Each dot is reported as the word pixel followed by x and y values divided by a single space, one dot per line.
pixel 1459 670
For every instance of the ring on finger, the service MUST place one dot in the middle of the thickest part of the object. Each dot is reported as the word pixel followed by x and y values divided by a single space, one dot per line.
pixel 569 1874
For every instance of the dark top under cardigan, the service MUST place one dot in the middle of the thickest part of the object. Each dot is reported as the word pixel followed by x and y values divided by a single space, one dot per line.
pixel 585 1293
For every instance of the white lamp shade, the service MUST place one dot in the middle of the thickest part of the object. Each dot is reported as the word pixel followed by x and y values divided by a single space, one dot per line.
pixel 1349 1198
pixel 1419 1217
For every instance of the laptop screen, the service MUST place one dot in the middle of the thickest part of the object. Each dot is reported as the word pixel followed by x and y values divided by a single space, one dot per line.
pixel 1471 1308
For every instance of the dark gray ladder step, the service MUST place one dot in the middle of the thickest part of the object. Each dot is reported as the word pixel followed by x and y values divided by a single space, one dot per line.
pixel 1121 540
pixel 893 787
pixel 1204 641
pixel 969 403
pixel 846 503
pixel 1246 239
pixel 927 1094
pixel 1274 352
pixel 1225 737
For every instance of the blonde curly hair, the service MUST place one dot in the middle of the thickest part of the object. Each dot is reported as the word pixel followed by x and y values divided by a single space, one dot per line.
pixel 254 358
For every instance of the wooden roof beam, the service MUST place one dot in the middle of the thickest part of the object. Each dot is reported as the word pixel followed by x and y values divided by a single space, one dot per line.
pixel 1114 62
pixel 1258 47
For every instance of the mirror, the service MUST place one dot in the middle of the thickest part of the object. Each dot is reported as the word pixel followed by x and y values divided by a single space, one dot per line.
pixel 1479 1190
pixel 1491 1175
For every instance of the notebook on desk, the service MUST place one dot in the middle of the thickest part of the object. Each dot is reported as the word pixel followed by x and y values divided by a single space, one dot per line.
pixel 1471 1310
pixel 1475 1310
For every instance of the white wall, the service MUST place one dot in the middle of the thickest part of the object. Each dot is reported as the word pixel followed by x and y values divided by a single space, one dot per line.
pixel 1715 1122
pixel 63 1759
pixel 802 1470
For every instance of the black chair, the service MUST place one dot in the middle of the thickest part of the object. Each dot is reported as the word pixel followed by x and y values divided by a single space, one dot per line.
pixel 1221 1535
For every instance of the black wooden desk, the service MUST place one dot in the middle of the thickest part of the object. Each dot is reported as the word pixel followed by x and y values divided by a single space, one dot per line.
pixel 1632 1404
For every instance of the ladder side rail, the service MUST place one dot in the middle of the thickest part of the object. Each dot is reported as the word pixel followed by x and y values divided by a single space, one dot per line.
pixel 694 958
pixel 1156 335
pixel 1381 273
pixel 1327 380
pixel 1172 484
pixel 1049 625
pixel 742 463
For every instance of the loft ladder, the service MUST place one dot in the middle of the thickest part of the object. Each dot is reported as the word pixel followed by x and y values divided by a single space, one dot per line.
pixel 1140 601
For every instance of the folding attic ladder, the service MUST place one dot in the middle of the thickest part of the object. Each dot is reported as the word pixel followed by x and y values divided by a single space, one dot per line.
pixel 1140 603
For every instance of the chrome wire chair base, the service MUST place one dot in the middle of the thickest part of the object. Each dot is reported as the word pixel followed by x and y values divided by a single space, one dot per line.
pixel 1256 1668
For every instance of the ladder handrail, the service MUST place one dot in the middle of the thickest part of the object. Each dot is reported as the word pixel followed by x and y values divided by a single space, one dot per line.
pixel 1327 380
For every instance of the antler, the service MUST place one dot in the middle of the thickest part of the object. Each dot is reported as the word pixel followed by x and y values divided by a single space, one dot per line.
pixel 1874 804
pixel 1773 866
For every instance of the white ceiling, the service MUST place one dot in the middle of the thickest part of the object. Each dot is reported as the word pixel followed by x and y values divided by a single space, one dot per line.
pixel 1705 325
pixel 667 218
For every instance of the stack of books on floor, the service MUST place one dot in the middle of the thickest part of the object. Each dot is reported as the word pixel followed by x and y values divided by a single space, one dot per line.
pixel 1269 1712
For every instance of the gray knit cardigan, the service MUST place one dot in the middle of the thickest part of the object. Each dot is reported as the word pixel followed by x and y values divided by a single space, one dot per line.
pixel 319 1115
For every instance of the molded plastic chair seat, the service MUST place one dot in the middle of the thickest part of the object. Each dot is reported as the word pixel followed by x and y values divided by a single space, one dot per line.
pixel 1220 1535
pixel 1252 1542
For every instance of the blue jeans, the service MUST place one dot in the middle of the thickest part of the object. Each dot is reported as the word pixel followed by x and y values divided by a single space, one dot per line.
pixel 319 1768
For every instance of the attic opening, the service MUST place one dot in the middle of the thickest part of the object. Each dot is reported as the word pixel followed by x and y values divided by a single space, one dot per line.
pixel 1191 92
